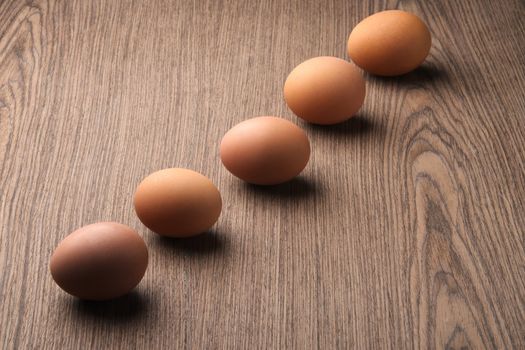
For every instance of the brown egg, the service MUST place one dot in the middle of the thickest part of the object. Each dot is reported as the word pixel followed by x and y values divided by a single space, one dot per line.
pixel 177 202
pixel 325 90
pixel 265 150
pixel 389 43
pixel 100 261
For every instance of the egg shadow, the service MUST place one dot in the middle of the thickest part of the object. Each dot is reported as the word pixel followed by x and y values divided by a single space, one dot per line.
pixel 127 308
pixel 424 74
pixel 298 187
pixel 360 125
pixel 207 243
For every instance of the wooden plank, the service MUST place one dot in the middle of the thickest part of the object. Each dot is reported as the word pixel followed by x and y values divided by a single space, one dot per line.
pixel 406 229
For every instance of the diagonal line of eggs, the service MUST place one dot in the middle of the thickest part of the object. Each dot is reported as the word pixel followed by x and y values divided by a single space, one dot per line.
pixel 324 90
pixel 330 90
pixel 106 260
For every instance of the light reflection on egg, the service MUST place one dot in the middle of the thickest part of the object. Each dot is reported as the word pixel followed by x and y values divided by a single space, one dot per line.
pixel 325 90
pixel 100 261
pixel 389 43
pixel 265 150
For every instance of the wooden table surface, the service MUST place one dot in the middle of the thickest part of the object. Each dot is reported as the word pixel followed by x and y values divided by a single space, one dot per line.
pixel 406 229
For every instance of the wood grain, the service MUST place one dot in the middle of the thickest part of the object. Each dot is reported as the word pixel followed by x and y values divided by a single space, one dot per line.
pixel 406 230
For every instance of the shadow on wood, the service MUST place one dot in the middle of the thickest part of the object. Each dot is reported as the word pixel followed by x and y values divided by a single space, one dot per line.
pixel 357 126
pixel 127 308
pixel 424 74
pixel 207 243
pixel 298 187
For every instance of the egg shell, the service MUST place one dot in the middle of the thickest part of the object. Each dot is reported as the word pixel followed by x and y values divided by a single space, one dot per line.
pixel 177 202
pixel 325 90
pixel 100 261
pixel 265 150
pixel 389 43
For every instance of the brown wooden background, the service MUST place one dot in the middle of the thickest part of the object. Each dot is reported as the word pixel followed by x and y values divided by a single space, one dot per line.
pixel 406 230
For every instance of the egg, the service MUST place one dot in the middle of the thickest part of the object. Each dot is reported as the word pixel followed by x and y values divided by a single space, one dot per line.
pixel 325 90
pixel 389 43
pixel 265 150
pixel 100 261
pixel 177 202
